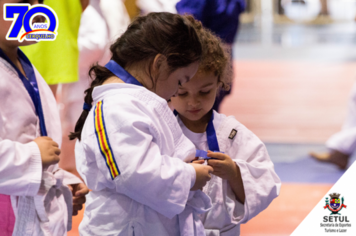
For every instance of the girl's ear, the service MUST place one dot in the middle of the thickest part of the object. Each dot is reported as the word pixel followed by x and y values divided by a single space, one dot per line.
pixel 159 61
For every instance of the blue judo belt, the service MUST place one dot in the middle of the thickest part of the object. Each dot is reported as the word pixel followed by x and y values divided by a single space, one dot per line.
pixel 30 85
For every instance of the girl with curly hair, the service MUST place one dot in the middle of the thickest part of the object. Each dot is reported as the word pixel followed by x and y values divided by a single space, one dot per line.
pixel 244 181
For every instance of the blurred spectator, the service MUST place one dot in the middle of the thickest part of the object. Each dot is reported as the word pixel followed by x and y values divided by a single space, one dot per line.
pixel 342 144
pixel 280 9
pixel 323 17
pixel 324 7
pixel 57 61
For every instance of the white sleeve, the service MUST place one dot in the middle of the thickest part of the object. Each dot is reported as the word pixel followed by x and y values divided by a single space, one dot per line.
pixel 260 181
pixel 144 174
pixel 157 6
pixel 20 168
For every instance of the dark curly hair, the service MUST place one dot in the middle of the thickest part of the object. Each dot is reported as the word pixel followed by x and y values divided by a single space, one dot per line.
pixel 216 55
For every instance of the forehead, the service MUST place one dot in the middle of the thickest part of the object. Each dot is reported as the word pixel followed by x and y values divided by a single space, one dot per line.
pixel 201 79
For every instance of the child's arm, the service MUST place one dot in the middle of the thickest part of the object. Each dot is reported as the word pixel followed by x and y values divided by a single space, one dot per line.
pixel 128 155
pixel 226 168
pixel 21 165
pixel 79 191
pixel 260 182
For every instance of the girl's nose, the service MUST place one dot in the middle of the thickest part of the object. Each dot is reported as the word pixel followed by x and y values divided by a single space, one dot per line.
pixel 193 102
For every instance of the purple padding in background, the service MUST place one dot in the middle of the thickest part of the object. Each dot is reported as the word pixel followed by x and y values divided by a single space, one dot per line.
pixel 308 170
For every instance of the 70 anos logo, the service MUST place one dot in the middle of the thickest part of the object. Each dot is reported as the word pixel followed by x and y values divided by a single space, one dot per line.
pixel 22 28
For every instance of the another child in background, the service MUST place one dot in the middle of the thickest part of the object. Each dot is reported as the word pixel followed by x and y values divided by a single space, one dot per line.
pixel 57 60
pixel 244 181
pixel 131 150
pixel 34 198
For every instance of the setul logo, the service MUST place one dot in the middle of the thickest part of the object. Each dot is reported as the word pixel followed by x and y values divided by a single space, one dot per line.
pixel 335 222
pixel 22 28
pixel 334 206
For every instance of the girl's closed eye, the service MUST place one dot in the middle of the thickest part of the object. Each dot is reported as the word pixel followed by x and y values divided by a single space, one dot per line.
pixel 205 92
pixel 182 94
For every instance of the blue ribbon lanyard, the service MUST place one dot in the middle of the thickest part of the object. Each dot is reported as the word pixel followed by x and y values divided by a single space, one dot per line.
pixel 212 140
pixel 30 85
pixel 211 137
pixel 120 72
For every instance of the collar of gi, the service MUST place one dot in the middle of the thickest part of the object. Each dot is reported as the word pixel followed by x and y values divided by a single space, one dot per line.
pixel 30 84
pixel 120 72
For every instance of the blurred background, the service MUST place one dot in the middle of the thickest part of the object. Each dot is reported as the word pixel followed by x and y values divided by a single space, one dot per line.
pixel 294 68
pixel 295 65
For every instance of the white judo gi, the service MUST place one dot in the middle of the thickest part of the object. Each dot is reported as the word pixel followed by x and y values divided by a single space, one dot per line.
pixel 260 181
pixel 40 199
pixel 131 156
pixel 345 140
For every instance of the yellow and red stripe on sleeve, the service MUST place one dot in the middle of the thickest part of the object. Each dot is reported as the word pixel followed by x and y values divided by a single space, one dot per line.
pixel 103 140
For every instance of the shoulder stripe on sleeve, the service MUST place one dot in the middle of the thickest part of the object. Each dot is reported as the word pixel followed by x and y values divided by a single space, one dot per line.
pixel 103 140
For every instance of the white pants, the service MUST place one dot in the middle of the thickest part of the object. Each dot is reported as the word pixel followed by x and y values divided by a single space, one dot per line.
pixel 345 140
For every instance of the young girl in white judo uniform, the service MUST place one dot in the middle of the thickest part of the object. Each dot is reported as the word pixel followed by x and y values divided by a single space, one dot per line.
pixel 131 151
pixel 244 181
pixel 34 196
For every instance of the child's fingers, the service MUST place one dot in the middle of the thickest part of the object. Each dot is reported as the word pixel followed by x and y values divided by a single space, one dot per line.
pixel 55 144
pixel 218 172
pixel 214 163
pixel 75 213
pixel 217 155
pixel 45 137
pixel 199 161
pixel 210 169
pixel 78 200
pixel 82 190
pixel 77 207
pixel 57 151
pixel 70 188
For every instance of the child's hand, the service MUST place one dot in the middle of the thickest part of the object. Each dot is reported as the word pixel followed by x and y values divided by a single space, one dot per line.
pixel 49 150
pixel 202 175
pixel 224 166
pixel 78 191
pixel 196 161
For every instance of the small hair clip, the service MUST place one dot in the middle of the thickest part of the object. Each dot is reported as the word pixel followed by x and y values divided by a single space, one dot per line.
pixel 86 106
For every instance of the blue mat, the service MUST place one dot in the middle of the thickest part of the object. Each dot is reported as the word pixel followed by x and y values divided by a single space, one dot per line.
pixel 308 170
